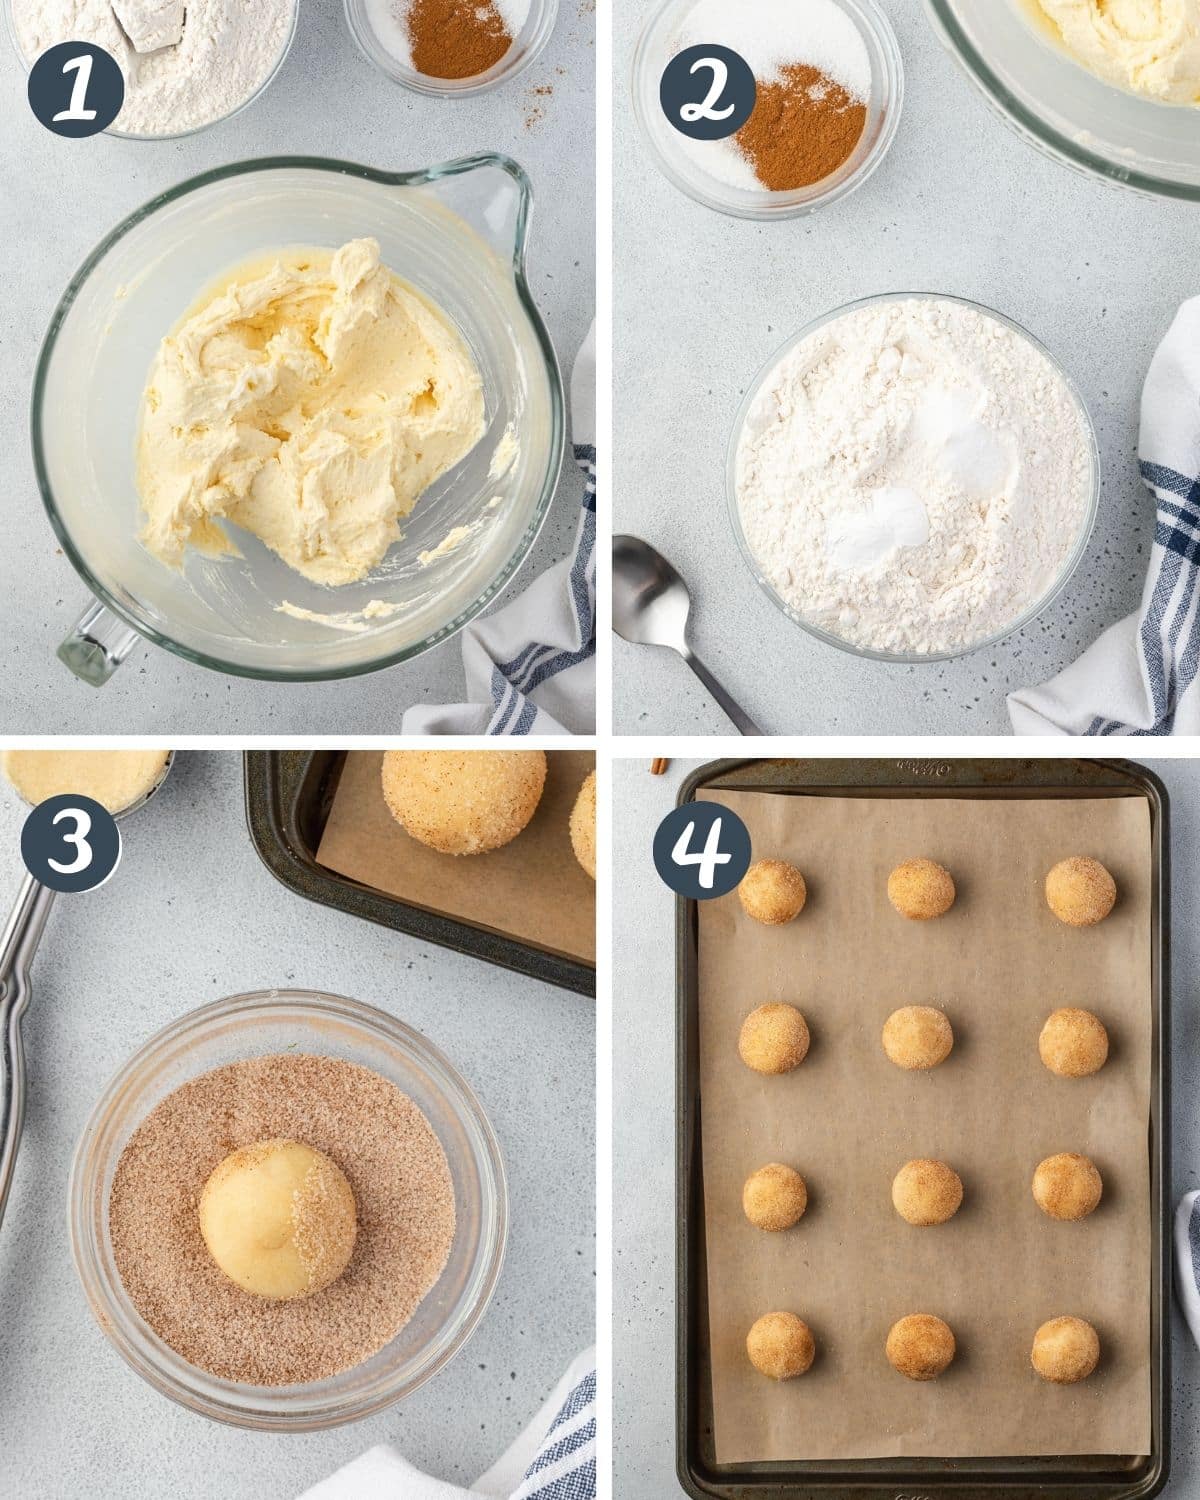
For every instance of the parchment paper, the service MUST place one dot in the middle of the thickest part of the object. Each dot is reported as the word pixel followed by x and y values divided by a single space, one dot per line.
pixel 532 889
pixel 848 1119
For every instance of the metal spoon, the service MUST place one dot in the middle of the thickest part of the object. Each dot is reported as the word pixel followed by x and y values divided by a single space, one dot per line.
pixel 17 948
pixel 650 607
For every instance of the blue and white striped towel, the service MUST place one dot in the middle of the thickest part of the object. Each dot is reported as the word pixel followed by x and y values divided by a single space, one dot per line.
pixel 553 1459
pixel 1139 678
pixel 1187 1260
pixel 531 666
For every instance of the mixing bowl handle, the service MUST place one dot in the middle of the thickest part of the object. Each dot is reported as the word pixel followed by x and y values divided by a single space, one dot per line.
pixel 97 645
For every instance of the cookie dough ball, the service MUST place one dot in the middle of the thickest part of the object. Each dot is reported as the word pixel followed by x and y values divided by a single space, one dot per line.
pixel 781 1346
pixel 279 1219
pixel 775 1198
pixel 463 801
pixel 920 890
pixel 114 778
pixel 918 1037
pixel 1080 892
pixel 773 892
pixel 774 1039
pixel 1074 1043
pixel 927 1192
pixel 583 826
pixel 1065 1350
pixel 1067 1186
pixel 920 1346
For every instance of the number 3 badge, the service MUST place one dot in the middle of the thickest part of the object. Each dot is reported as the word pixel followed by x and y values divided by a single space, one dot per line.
pixel 70 844
pixel 702 850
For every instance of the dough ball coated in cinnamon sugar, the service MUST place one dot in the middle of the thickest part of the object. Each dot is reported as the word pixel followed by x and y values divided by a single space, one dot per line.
pixel 774 1039
pixel 773 892
pixel 775 1198
pixel 921 889
pixel 927 1192
pixel 918 1037
pixel 1080 891
pixel 463 801
pixel 781 1346
pixel 583 825
pixel 1073 1043
pixel 1067 1186
pixel 921 1346
pixel 1065 1350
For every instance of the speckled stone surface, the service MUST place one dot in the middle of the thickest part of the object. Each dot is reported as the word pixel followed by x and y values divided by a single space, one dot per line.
pixel 962 206
pixel 644 1127
pixel 192 915
pixel 61 197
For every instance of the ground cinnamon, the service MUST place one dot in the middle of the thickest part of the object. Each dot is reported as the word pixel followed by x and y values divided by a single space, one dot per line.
pixel 456 38
pixel 803 128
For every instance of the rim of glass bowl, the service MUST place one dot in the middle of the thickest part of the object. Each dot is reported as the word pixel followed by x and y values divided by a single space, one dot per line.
pixel 1030 127
pixel 554 452
pixel 767 206
pixel 514 61
pixel 909 658
pixel 143 1350
pixel 178 135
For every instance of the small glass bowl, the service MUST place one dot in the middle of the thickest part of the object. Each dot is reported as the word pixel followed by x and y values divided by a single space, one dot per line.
pixel 330 1025
pixel 536 32
pixel 679 165
pixel 175 135
pixel 869 653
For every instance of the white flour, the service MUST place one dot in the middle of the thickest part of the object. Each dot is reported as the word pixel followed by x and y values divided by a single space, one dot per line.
pixel 229 48
pixel 914 477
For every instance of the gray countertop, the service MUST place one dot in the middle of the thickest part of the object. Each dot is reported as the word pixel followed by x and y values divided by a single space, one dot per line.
pixel 960 206
pixel 192 915
pixel 63 196
pixel 644 1126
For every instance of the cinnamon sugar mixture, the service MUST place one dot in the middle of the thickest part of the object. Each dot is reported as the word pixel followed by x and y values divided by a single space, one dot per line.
pixel 402 1186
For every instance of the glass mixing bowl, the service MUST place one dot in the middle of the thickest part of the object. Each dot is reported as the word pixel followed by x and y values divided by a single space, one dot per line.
pixel 174 135
pixel 457 232
pixel 677 158
pixel 1058 106
pixel 302 1020
pixel 533 36
pixel 911 658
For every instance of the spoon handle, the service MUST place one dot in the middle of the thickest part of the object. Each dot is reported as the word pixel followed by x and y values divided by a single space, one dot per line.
pixel 745 724
pixel 17 947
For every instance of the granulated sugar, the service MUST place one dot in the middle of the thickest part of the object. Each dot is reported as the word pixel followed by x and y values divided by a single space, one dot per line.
pixel 401 1183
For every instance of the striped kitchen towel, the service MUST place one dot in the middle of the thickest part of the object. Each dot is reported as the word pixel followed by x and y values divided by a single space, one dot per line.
pixel 553 1459
pixel 531 666
pixel 1187 1261
pixel 1139 678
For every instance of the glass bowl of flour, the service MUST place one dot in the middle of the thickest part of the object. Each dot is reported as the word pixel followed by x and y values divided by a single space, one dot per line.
pixel 913 477
pixel 186 66
pixel 850 43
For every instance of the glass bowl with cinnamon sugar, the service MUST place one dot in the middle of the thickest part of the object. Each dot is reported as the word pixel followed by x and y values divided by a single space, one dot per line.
pixel 451 48
pixel 830 93
pixel 222 1361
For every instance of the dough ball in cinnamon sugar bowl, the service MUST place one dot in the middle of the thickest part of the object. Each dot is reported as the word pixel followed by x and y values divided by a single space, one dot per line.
pixel 1073 1043
pixel 1065 1350
pixel 775 1198
pixel 1080 891
pixel 918 1038
pixel 781 1346
pixel 1067 1186
pixel 773 892
pixel 774 1039
pixel 921 1347
pixel 463 801
pixel 921 890
pixel 927 1192
pixel 583 825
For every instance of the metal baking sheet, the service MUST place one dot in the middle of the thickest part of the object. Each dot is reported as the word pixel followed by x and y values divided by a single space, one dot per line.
pixel 1097 1477
pixel 289 794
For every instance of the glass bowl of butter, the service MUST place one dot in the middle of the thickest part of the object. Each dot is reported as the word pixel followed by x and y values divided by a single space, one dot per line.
pixel 297 419
pixel 1121 102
